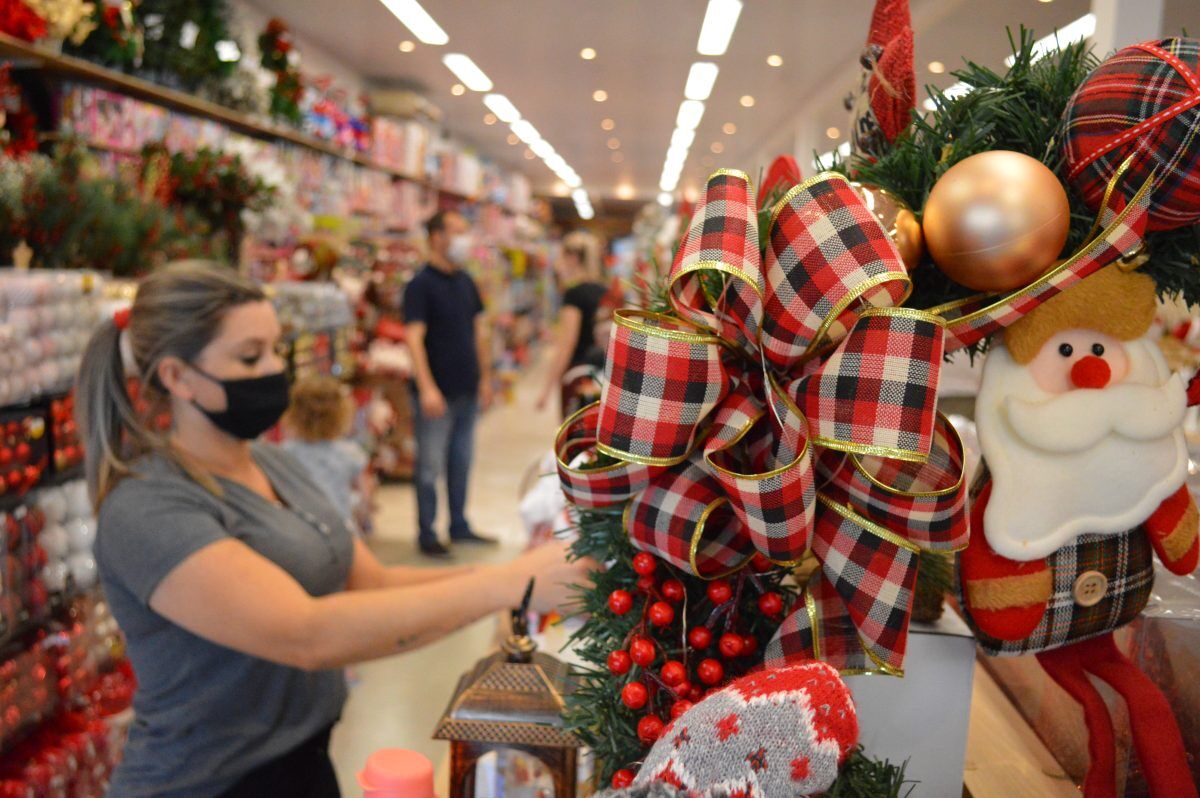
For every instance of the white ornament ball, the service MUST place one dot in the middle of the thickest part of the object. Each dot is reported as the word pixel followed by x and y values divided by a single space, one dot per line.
pixel 78 504
pixel 55 575
pixel 83 570
pixel 55 540
pixel 82 534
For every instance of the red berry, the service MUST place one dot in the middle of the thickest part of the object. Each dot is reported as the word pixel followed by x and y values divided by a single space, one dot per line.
pixel 620 601
pixel 661 613
pixel 719 592
pixel 647 584
pixel 700 637
pixel 760 564
pixel 642 652
pixel 696 693
pixel 622 779
pixel 683 689
pixel 644 564
pixel 650 728
pixel 750 647
pixel 673 673
pixel 711 672
pixel 673 590
pixel 680 707
pixel 731 645
pixel 635 695
pixel 619 662
pixel 23 451
pixel 770 604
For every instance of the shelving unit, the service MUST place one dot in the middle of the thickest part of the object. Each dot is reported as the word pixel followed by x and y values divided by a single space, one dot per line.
pixel 24 55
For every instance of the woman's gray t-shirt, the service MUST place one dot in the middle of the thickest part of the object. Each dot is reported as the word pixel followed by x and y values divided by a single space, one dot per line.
pixel 205 715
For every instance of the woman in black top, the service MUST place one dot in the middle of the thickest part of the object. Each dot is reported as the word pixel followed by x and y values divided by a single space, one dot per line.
pixel 575 343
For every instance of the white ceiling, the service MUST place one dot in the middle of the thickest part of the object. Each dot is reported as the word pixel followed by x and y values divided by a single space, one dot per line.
pixel 530 50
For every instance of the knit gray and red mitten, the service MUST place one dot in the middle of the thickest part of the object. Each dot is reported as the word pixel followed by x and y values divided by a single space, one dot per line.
pixel 776 732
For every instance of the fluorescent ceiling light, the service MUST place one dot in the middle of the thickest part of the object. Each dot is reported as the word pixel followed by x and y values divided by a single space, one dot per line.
pixel 417 20
pixel 1068 34
pixel 502 107
pixel 542 149
pixel 555 162
pixel 579 195
pixel 525 131
pixel 587 214
pixel 572 181
pixel 953 90
pixel 666 200
pixel 690 114
pixel 676 158
pixel 467 71
pixel 700 80
pixel 682 138
pixel 719 21
pixel 669 184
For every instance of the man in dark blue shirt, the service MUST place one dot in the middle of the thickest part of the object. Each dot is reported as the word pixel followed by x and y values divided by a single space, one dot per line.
pixel 447 336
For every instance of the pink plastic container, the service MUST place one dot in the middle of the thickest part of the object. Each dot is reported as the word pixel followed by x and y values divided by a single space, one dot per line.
pixel 396 773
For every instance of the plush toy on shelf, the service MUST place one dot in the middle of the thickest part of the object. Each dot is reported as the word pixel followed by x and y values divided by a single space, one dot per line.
pixel 1080 425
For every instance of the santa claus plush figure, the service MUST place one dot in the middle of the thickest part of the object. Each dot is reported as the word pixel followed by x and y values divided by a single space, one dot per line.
pixel 1079 423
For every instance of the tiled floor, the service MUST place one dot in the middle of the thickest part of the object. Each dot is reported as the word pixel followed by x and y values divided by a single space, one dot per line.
pixel 397 700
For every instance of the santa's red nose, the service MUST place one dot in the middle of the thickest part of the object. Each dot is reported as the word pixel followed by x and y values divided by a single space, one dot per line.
pixel 1091 372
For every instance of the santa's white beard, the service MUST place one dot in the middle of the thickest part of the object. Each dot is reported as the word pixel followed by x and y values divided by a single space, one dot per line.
pixel 1087 461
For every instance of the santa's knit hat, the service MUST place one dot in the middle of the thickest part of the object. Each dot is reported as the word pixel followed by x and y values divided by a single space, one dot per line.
pixel 890 84
pixel 779 732
pixel 1113 301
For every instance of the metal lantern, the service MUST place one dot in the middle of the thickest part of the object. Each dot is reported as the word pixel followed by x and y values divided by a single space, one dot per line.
pixel 511 700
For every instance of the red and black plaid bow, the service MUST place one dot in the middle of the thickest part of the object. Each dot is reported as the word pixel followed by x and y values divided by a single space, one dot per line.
pixel 788 405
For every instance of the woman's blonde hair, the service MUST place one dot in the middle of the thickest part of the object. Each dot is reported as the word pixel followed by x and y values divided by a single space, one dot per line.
pixel 177 312
pixel 321 410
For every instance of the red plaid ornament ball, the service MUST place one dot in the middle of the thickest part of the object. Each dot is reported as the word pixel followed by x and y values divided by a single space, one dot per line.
pixel 1144 101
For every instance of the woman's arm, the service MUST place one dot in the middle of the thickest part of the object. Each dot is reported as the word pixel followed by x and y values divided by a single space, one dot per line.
pixel 368 573
pixel 570 321
pixel 231 595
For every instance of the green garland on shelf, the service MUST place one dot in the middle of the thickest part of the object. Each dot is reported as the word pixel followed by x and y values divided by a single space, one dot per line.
pixel 1021 109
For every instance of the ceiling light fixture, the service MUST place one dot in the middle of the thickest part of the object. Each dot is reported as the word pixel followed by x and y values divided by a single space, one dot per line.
pixel 951 92
pixel 579 195
pixel 719 21
pixel 775 60
pixel 701 78
pixel 542 149
pixel 489 119
pixel 666 200
pixel 618 158
pixel 525 131
pixel 407 46
pixel 833 133
pixel 529 156
pixel 729 128
pixel 555 162
pixel 614 143
pixel 417 20
pixel 458 89
pixel 1068 34
pixel 690 114
pixel 717 147
pixel 747 101
pixel 586 213
pixel 668 184
pixel 587 53
pixel 512 139
pixel 599 95
pixel 937 67
pixel 625 191
pixel 682 138
pixel 607 124
pixel 572 180
pixel 504 110
pixel 467 71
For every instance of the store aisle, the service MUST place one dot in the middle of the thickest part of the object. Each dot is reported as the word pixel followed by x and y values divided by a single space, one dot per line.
pixel 396 702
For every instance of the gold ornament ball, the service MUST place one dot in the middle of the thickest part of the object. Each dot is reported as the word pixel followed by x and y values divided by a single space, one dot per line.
pixel 897 219
pixel 996 221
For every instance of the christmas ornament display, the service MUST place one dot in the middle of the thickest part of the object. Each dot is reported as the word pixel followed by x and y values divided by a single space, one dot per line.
pixel 898 221
pixel 1142 102
pixel 729 744
pixel 1064 523
pixel 996 221
pixel 68 538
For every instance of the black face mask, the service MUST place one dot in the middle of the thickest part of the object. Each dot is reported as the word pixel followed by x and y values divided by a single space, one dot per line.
pixel 252 405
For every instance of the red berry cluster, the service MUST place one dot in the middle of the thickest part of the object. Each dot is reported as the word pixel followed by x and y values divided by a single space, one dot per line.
pixel 667 668
pixel 23 452
pixel 68 451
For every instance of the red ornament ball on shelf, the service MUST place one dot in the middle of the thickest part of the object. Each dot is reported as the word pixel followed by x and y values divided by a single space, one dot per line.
pixel 622 778
pixel 731 646
pixel 711 672
pixel 673 673
pixel 650 728
pixel 619 663
pixel 642 651
pixel 620 601
pixel 644 564
pixel 23 451
pixel 661 613
pixel 673 590
pixel 700 637
pixel 719 591
pixel 680 707
pixel 770 604
pixel 635 695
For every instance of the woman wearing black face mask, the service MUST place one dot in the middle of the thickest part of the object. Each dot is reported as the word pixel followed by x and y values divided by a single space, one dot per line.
pixel 241 591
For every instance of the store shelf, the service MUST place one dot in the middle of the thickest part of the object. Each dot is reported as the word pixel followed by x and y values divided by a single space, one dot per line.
pixel 25 55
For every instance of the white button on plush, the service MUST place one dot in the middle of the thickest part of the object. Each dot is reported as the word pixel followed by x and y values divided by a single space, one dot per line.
pixel 1090 588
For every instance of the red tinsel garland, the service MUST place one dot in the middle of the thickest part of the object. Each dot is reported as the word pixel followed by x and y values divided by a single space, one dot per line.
pixel 19 20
